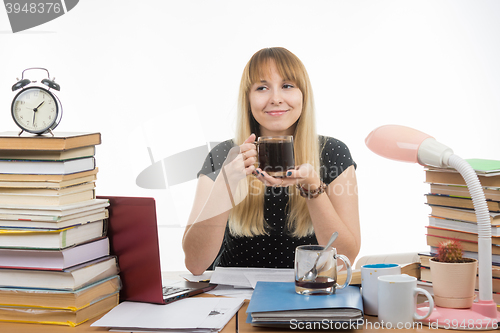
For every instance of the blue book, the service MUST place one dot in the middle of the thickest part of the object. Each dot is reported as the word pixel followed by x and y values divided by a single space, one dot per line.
pixel 277 303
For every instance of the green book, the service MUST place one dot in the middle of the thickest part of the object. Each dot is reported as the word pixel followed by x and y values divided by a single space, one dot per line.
pixel 484 167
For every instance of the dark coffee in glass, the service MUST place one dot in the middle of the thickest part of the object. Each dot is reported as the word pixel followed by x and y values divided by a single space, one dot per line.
pixel 275 154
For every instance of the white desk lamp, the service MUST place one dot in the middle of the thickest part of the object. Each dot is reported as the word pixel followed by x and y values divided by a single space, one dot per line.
pixel 406 144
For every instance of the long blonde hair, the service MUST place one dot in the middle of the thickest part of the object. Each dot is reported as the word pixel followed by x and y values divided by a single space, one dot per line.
pixel 247 218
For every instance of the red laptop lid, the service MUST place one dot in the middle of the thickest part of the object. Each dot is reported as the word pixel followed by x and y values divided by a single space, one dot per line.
pixel 133 237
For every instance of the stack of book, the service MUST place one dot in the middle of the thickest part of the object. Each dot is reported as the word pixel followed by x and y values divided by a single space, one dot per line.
pixel 55 262
pixel 453 216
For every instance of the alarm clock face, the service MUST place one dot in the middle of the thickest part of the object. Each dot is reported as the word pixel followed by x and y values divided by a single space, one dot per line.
pixel 35 110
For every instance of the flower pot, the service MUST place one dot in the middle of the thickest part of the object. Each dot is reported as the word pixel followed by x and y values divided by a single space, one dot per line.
pixel 453 283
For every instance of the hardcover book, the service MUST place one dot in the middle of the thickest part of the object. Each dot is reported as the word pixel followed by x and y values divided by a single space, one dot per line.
pixel 71 278
pixel 457 225
pixel 44 222
pixel 53 213
pixel 66 317
pixel 33 167
pixel 54 259
pixel 60 141
pixel 46 181
pixel 55 239
pixel 47 155
pixel 60 299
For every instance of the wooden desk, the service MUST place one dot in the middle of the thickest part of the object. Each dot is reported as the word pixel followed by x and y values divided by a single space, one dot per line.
pixel 85 327
pixel 371 326
pixel 236 325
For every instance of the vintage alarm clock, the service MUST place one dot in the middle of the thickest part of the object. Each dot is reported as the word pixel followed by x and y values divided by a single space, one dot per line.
pixel 36 109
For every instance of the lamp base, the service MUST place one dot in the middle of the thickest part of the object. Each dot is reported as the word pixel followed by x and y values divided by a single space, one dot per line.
pixel 482 315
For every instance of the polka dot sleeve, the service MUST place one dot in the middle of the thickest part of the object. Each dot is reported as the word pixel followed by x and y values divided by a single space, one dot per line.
pixel 335 158
pixel 214 160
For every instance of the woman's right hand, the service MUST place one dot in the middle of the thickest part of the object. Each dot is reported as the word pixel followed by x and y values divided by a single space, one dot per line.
pixel 213 202
pixel 239 162
pixel 248 152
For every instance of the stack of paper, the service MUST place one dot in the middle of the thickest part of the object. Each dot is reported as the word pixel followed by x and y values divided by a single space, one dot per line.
pixel 240 281
pixel 195 314
pixel 247 277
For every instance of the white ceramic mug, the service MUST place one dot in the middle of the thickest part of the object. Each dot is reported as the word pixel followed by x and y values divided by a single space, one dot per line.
pixel 397 300
pixel 369 284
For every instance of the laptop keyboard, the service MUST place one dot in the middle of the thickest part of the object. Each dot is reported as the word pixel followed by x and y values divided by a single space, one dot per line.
pixel 172 290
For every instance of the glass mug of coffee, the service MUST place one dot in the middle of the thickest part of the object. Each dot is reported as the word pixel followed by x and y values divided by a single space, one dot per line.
pixel 326 280
pixel 275 155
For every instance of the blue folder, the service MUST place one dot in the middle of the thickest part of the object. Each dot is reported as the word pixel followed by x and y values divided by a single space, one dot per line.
pixel 273 297
pixel 281 296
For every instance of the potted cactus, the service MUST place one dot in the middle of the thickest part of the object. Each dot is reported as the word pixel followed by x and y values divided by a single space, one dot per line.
pixel 453 276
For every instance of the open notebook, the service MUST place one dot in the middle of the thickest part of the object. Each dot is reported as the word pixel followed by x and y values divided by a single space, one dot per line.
pixel 133 237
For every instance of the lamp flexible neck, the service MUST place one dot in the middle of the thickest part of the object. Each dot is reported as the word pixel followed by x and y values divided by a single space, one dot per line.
pixel 483 225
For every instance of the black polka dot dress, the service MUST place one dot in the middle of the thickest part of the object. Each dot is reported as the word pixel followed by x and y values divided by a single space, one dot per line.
pixel 277 249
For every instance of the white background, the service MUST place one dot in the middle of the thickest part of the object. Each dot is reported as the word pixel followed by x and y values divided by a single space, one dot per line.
pixel 165 75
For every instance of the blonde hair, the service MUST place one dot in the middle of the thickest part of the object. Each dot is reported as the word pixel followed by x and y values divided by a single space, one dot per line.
pixel 247 218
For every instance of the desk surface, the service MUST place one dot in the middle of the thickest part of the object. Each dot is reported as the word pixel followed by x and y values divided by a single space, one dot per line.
pixel 85 327
pixel 371 325
pixel 236 325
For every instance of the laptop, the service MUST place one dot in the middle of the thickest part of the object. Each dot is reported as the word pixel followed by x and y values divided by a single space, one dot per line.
pixel 133 238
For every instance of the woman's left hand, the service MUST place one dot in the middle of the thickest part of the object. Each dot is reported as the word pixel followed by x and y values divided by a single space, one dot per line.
pixel 304 175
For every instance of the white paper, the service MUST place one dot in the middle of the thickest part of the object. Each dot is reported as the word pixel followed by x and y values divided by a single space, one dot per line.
pixel 230 291
pixel 239 276
pixel 222 313
pixel 282 275
pixel 197 278
pixel 189 313
pixel 156 330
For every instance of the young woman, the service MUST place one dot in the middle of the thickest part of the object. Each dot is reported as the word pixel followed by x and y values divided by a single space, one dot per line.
pixel 244 217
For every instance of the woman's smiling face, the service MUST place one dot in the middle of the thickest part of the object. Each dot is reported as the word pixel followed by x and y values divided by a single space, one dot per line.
pixel 276 104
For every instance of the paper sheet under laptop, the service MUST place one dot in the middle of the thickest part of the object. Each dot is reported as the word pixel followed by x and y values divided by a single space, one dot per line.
pixel 206 276
pixel 240 281
pixel 241 277
pixel 194 314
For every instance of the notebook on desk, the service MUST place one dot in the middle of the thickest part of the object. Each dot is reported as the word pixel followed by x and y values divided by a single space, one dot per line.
pixel 133 237
pixel 276 304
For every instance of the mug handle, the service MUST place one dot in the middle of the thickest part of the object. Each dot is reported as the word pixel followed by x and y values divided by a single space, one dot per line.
pixel 347 264
pixel 416 291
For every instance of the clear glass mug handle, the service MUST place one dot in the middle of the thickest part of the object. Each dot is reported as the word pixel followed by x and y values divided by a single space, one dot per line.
pixel 347 264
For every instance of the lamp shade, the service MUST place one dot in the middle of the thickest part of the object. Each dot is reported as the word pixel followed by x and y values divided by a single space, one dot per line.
pixel 396 142
pixel 406 144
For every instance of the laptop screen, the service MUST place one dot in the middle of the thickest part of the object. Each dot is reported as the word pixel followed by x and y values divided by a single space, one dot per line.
pixel 133 237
